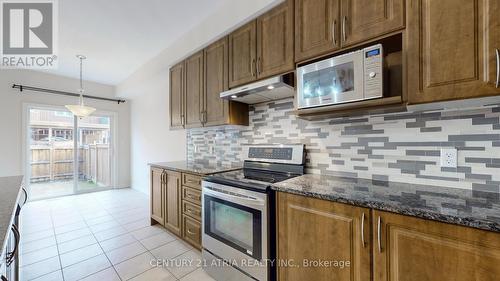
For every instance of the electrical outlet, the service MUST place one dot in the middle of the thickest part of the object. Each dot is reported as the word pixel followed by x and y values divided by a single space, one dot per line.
pixel 449 157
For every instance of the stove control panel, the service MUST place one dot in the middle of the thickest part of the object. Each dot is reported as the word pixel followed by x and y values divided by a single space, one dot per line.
pixel 275 153
pixel 279 153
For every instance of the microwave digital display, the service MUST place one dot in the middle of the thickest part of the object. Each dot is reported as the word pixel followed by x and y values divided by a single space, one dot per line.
pixel 332 80
pixel 374 52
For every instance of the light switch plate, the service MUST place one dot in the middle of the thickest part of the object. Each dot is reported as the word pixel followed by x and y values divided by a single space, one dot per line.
pixel 449 157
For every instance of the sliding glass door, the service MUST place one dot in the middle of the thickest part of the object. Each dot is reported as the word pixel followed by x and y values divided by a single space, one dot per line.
pixel 68 155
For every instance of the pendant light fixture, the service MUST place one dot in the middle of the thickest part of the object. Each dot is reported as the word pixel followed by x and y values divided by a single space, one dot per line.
pixel 80 109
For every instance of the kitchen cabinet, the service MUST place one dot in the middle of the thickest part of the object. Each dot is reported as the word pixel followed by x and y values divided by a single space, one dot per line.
pixel 451 49
pixel 413 249
pixel 173 202
pixel 242 55
pixel 275 41
pixel 311 229
pixel 191 209
pixel 317 27
pixel 262 47
pixel 157 195
pixel 191 231
pixel 362 20
pixel 177 96
pixel 195 87
pixel 324 26
pixel 194 96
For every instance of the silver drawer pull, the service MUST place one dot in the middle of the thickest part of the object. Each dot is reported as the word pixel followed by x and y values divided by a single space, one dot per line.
pixel 363 229
pixel 498 67
pixel 379 233
pixel 190 232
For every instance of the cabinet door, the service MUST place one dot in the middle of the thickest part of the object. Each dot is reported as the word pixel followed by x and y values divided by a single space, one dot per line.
pixel 177 96
pixel 275 41
pixel 447 56
pixel 173 202
pixel 493 47
pixel 317 28
pixel 157 195
pixel 312 229
pixel 363 20
pixel 194 91
pixel 191 231
pixel 242 55
pixel 413 249
pixel 216 81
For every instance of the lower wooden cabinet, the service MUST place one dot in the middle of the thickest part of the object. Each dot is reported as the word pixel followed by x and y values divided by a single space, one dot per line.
pixel 191 231
pixel 395 248
pixel 413 249
pixel 176 203
pixel 157 194
pixel 312 230
pixel 172 202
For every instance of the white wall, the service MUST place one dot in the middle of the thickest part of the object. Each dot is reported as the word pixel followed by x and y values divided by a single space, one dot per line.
pixel 11 111
pixel 151 139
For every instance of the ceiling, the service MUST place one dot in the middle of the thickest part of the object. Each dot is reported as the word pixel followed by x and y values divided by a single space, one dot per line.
pixel 119 36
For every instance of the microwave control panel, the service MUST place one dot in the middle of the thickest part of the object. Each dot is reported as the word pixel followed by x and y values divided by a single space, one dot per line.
pixel 373 80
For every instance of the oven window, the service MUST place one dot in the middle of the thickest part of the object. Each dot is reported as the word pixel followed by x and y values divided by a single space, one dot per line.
pixel 329 81
pixel 234 225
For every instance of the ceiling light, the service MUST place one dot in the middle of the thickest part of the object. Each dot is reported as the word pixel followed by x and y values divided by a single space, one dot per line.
pixel 234 96
pixel 270 87
pixel 80 109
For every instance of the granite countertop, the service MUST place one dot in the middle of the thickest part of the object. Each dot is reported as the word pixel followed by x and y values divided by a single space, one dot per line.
pixel 9 192
pixel 450 205
pixel 199 168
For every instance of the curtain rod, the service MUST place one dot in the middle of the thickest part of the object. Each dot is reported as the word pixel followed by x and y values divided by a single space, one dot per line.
pixel 49 91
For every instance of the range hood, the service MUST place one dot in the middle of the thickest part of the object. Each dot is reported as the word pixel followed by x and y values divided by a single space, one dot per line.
pixel 275 88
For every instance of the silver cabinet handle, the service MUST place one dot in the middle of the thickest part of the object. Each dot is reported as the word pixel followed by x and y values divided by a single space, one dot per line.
pixel 344 23
pixel 259 70
pixel 498 67
pixel 334 26
pixel 379 233
pixel 252 68
pixel 190 232
pixel 363 229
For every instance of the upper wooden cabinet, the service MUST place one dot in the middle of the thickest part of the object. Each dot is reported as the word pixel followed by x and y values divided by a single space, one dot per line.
pixel 413 249
pixel 194 105
pixel 317 27
pixel 363 20
pixel 275 41
pixel 451 49
pixel 242 55
pixel 157 195
pixel 216 110
pixel 262 47
pixel 195 87
pixel 177 96
pixel 312 229
pixel 172 204
pixel 323 26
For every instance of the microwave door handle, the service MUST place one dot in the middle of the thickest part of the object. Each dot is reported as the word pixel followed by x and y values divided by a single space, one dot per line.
pixel 235 199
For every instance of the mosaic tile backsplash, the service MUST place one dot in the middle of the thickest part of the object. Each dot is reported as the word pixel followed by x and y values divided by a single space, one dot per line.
pixel 400 147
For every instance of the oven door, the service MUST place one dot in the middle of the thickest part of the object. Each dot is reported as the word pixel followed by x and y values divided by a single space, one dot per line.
pixel 234 225
pixel 331 81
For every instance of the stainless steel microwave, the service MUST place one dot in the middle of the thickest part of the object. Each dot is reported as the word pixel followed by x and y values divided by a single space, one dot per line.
pixel 346 78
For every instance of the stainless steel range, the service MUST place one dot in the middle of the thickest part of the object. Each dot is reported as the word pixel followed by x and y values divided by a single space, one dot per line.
pixel 238 213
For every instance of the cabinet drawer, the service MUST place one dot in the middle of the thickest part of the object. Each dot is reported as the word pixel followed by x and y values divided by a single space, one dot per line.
pixel 191 231
pixel 191 210
pixel 191 181
pixel 191 195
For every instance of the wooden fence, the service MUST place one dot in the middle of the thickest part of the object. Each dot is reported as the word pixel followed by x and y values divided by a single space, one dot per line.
pixel 49 163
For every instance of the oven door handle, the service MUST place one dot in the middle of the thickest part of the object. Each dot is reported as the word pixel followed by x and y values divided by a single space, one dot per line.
pixel 235 199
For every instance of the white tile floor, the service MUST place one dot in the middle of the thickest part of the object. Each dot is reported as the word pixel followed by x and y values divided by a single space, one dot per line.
pixel 102 236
